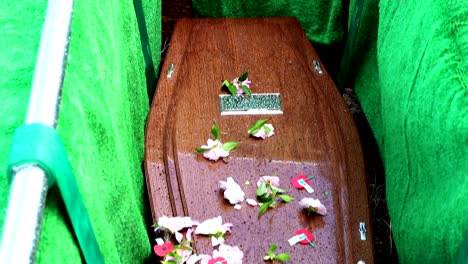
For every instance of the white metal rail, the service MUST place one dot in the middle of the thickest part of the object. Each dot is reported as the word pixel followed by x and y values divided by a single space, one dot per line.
pixel 29 186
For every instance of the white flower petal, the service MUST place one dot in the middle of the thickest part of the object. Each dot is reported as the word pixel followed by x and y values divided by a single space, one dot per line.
pixel 237 206
pixel 216 241
pixel 194 259
pixel 251 202
pixel 233 255
pixel 179 236
pixel 174 224
pixel 232 191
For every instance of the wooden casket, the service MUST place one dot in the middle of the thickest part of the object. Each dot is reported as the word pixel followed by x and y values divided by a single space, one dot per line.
pixel 314 135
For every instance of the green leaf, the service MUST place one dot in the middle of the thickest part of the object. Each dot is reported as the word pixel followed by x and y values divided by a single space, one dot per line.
pixel 264 207
pixel 231 88
pixel 262 189
pixel 286 198
pixel 185 248
pixel 267 129
pixel 266 198
pixel 246 90
pixel 272 249
pixel 244 76
pixel 277 190
pixel 215 131
pixel 201 150
pixel 283 257
pixel 257 126
pixel 228 146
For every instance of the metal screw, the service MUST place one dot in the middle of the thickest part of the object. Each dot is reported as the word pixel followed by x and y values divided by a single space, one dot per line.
pixel 170 70
pixel 317 67
pixel 362 230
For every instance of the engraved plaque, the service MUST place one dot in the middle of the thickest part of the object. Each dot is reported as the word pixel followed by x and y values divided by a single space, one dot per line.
pixel 258 104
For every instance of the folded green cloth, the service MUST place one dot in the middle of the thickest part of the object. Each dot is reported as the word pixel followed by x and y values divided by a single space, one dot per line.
pixel 320 19
pixel 101 121
pixel 412 83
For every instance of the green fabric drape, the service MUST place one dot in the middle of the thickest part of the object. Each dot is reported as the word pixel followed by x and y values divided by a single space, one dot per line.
pixel 410 76
pixel 320 19
pixel 101 120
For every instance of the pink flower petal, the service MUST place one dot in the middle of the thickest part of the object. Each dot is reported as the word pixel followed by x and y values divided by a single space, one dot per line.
pixel 233 255
pixel 313 205
pixel 262 132
pixel 273 180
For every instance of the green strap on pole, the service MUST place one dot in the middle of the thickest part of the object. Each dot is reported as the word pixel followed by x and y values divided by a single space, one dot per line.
pixel 145 46
pixel 42 146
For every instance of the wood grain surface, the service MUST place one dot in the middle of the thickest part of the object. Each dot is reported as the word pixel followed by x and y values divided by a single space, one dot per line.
pixel 315 136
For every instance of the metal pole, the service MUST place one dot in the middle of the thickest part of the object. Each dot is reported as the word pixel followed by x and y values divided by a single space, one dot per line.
pixel 29 183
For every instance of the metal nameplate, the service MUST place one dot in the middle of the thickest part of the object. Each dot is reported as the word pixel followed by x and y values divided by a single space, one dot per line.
pixel 258 104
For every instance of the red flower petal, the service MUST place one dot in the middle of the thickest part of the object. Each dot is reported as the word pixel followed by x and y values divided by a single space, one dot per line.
pixel 296 184
pixel 164 249
pixel 218 260
pixel 308 235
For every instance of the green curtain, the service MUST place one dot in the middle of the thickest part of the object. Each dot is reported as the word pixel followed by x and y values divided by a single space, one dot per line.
pixel 101 120
pixel 320 19
pixel 410 75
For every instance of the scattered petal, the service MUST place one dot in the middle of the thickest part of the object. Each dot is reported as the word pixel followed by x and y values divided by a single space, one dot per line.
pixel 205 258
pixel 247 182
pixel 232 191
pixel 273 180
pixel 233 255
pixel 179 236
pixel 214 227
pixel 164 249
pixel 313 205
pixel 361 262
pixel 174 224
pixel 307 233
pixel 194 259
pixel 188 235
pixel 237 206
pixel 216 241
pixel 265 131
pixel 215 150
pixel 218 260
pixel 251 202
pixel 159 241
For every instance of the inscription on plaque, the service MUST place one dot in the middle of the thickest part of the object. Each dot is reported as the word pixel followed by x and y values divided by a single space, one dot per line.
pixel 258 104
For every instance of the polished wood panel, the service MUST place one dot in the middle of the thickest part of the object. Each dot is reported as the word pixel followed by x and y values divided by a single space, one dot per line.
pixel 315 136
